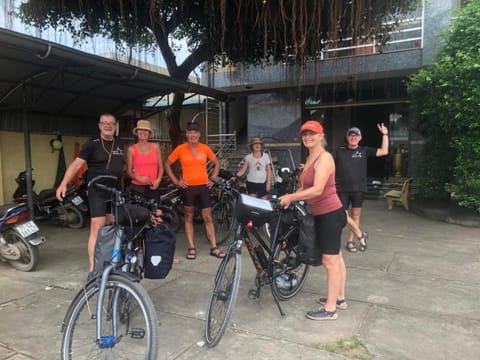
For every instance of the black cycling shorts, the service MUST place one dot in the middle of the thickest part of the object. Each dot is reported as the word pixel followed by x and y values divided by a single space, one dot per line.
pixel 329 231
pixel 259 189
pixel 99 203
pixel 197 195
pixel 352 197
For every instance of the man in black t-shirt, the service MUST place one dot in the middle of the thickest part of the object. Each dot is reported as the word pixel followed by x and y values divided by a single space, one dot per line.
pixel 104 155
pixel 351 174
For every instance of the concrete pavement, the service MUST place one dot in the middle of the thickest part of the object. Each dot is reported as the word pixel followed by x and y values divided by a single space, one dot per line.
pixel 414 294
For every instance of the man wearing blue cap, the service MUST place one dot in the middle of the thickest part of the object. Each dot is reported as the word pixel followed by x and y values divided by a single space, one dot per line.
pixel 351 175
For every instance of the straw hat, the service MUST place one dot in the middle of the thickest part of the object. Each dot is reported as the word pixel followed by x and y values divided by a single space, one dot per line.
pixel 256 140
pixel 143 125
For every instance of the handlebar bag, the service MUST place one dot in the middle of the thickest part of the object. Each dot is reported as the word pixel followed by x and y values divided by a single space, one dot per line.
pixel 159 251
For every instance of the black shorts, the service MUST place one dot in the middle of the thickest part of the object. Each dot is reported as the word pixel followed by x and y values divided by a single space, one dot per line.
pixel 352 197
pixel 99 203
pixel 329 231
pixel 197 195
pixel 259 189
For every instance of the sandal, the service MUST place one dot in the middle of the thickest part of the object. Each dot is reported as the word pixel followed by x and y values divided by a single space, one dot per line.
pixel 351 246
pixel 192 254
pixel 215 251
pixel 363 241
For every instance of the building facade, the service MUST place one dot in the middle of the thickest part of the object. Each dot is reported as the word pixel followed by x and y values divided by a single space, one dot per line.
pixel 350 84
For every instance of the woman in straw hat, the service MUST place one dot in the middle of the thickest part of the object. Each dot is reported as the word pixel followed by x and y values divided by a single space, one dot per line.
pixel 259 175
pixel 144 162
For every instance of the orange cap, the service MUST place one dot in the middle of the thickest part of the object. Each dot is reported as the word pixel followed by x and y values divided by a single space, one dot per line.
pixel 311 125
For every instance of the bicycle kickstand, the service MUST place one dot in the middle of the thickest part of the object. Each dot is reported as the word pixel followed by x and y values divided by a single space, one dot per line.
pixel 278 305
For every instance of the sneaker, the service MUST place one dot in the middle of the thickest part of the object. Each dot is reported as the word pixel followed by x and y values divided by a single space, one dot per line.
pixel 90 276
pixel 321 314
pixel 341 304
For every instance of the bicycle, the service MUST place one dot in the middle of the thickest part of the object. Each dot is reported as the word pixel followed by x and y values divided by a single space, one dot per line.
pixel 223 209
pixel 112 316
pixel 281 269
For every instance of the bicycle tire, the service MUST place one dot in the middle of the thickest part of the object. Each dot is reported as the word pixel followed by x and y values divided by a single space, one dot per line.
pixel 137 323
pixel 289 274
pixel 223 297
pixel 223 219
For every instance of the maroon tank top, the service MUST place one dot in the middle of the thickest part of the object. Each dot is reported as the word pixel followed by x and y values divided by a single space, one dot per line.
pixel 328 201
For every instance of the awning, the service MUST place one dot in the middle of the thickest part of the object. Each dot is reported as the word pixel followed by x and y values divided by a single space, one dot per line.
pixel 54 80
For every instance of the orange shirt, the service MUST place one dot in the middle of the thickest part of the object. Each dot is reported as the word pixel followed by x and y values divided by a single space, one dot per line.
pixel 194 166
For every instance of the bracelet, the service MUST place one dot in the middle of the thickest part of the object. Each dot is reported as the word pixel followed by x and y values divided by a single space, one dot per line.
pixel 385 134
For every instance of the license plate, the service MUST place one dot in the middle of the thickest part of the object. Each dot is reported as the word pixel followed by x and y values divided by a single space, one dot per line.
pixel 27 229
pixel 77 200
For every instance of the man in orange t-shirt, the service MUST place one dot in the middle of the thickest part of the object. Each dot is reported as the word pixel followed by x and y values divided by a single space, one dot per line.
pixel 193 156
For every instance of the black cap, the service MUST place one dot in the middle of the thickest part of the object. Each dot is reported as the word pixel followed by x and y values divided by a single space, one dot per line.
pixel 193 126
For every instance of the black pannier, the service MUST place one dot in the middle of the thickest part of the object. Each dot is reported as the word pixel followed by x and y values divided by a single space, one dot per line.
pixel 159 251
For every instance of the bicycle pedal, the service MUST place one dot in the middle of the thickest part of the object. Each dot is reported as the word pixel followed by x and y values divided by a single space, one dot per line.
pixel 137 333
pixel 253 294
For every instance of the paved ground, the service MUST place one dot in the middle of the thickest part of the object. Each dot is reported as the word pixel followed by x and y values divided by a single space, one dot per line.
pixel 414 294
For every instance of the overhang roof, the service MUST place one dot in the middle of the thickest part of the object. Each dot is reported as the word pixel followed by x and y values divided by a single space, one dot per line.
pixel 52 79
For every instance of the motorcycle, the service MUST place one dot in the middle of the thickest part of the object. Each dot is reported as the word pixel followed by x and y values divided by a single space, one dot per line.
pixel 70 212
pixel 19 237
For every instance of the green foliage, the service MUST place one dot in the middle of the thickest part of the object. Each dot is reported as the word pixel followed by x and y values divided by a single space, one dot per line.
pixel 446 101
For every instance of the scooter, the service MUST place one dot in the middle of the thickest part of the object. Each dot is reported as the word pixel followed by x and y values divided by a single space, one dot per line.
pixel 70 212
pixel 19 237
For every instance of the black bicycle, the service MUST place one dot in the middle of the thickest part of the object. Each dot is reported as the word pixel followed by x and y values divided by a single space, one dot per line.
pixel 112 316
pixel 276 263
pixel 223 209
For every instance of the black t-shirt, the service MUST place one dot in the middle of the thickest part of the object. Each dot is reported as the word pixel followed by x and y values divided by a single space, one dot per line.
pixel 103 157
pixel 351 167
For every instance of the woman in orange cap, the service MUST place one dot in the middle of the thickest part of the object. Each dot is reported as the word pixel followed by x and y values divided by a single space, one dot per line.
pixel 318 190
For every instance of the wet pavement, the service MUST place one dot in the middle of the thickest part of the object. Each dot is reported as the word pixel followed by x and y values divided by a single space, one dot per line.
pixel 414 294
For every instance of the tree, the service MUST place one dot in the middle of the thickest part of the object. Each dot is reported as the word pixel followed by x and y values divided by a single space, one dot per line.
pixel 445 98
pixel 248 31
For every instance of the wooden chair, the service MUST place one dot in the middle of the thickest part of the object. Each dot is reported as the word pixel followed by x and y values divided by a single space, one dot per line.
pixel 399 195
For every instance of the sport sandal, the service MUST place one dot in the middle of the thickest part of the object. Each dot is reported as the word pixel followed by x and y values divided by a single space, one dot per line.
pixel 363 241
pixel 191 254
pixel 351 246
pixel 216 252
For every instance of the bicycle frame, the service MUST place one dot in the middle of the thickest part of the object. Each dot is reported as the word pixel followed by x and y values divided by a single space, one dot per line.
pixel 244 235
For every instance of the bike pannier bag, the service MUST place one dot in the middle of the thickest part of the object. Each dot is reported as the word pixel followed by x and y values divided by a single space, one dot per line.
pixel 250 208
pixel 159 251
pixel 104 247
pixel 308 251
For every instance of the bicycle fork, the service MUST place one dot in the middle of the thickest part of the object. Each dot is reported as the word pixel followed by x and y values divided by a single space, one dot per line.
pixel 109 341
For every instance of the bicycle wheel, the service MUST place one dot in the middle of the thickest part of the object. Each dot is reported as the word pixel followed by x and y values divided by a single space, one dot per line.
pixel 223 219
pixel 223 297
pixel 129 323
pixel 289 274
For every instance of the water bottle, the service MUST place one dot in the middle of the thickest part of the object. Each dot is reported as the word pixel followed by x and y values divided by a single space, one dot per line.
pixel 261 256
